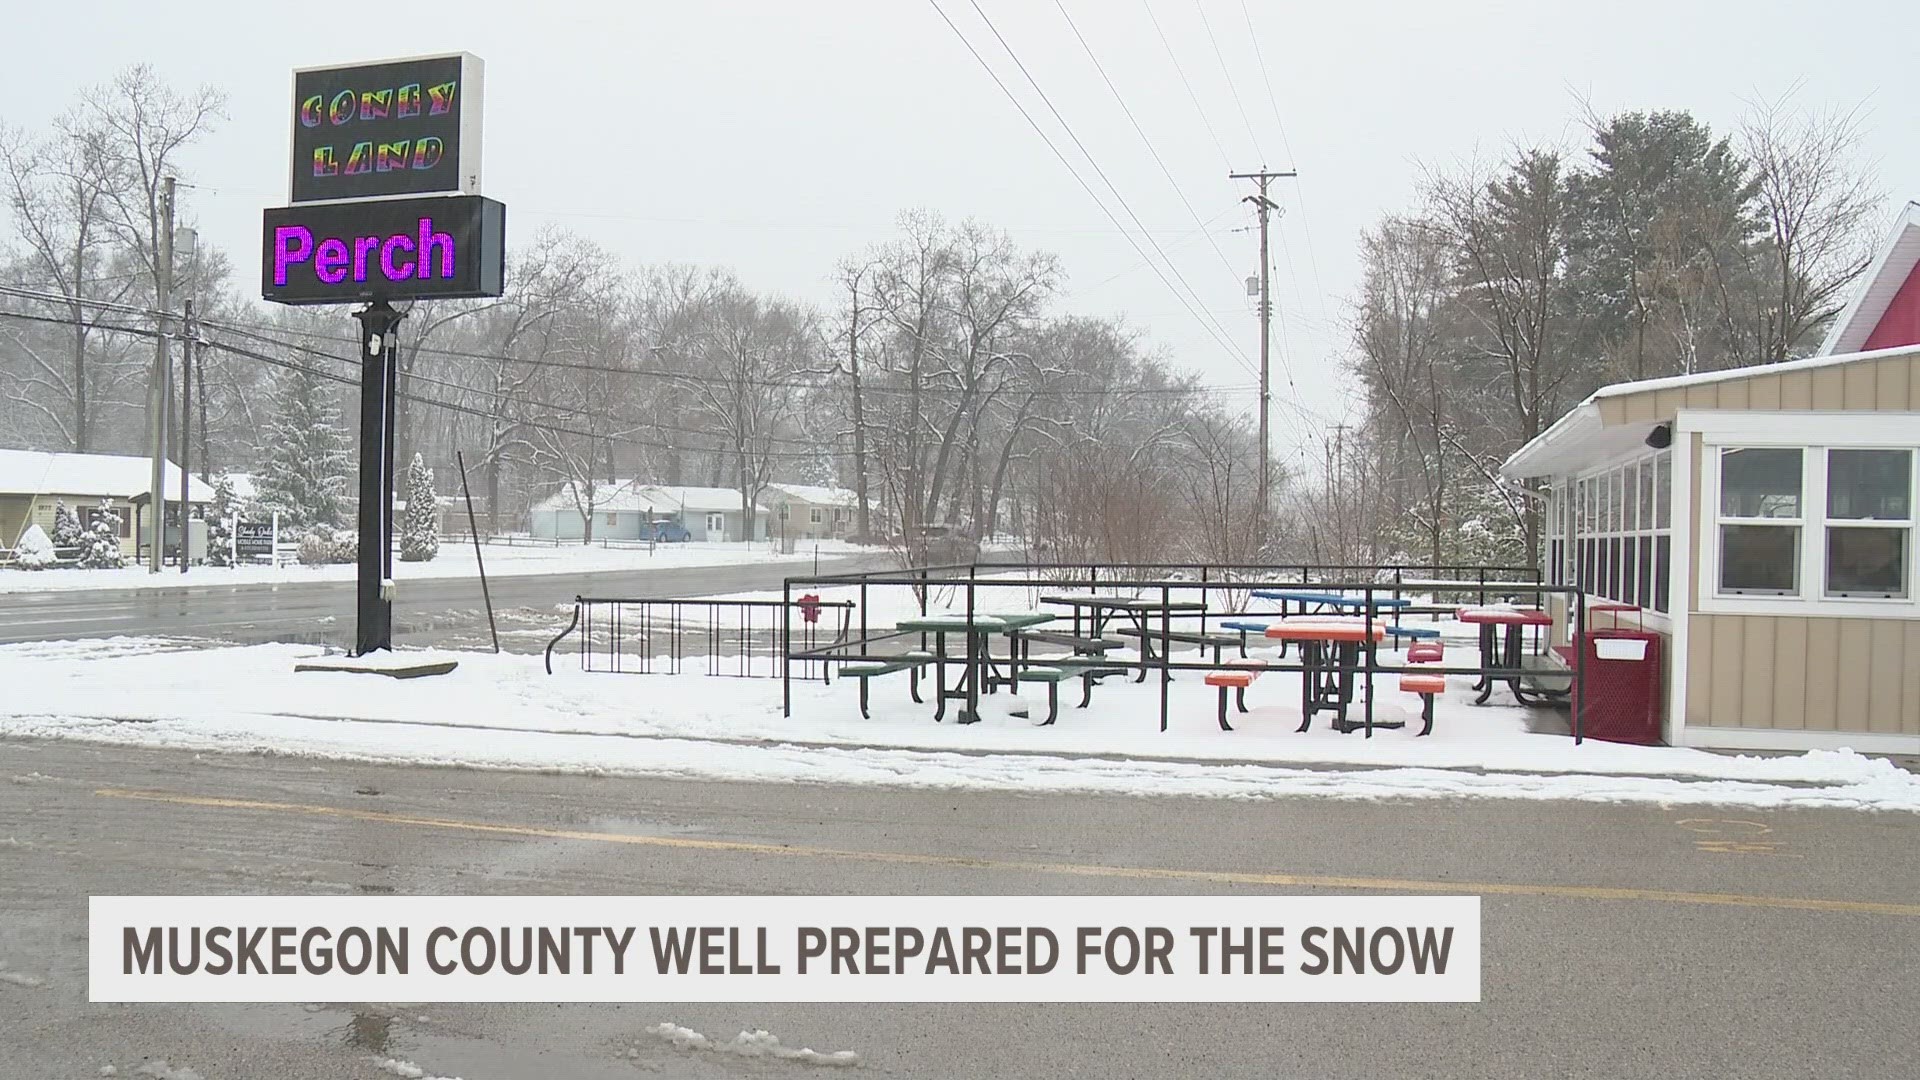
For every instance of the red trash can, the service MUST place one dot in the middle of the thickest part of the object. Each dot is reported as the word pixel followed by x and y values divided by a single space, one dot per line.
pixel 1622 701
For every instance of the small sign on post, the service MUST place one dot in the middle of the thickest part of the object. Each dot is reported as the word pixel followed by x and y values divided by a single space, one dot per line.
pixel 252 539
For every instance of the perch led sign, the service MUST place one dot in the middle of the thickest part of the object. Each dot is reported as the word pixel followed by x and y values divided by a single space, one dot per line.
pixel 387 129
pixel 394 249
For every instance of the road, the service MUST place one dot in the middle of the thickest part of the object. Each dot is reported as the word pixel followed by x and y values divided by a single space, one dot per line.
pixel 323 611
pixel 1709 963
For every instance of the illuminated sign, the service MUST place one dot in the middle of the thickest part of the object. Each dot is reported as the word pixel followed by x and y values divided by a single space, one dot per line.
pixel 387 129
pixel 390 249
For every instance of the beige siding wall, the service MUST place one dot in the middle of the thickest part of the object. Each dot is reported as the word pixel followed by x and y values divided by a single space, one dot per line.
pixel 1750 671
pixel 13 517
pixel 1890 384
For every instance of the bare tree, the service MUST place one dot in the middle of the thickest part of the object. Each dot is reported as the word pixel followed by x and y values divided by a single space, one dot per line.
pixel 1819 207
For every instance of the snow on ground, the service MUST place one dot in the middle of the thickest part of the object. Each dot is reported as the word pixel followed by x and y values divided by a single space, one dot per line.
pixel 758 1043
pixel 456 560
pixel 503 711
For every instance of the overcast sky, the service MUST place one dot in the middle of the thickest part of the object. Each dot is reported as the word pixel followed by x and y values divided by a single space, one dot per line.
pixel 777 137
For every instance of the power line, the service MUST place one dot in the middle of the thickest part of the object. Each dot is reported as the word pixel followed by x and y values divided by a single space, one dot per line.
pixel 1102 174
pixel 1075 173
pixel 250 329
pixel 1206 118
pixel 1232 88
pixel 1140 131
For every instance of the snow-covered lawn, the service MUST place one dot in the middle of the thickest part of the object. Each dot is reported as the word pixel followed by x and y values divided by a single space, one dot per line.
pixel 505 712
pixel 456 560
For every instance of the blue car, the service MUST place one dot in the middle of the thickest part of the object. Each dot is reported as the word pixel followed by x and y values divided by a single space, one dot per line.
pixel 669 532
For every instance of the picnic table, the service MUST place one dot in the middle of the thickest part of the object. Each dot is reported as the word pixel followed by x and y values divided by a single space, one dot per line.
pixel 1098 610
pixel 1337 602
pixel 1330 651
pixel 1508 651
pixel 977 668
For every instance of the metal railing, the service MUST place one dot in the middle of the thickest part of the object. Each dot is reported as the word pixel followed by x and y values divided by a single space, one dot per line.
pixel 738 638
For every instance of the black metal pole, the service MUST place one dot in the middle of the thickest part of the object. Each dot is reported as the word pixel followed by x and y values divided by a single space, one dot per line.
pixel 373 630
pixel 473 529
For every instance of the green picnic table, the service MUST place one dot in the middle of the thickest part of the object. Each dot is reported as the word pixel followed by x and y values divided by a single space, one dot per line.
pixel 976 668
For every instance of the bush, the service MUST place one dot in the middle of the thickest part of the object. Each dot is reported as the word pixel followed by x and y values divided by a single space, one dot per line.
pixel 100 545
pixel 35 550
pixel 316 550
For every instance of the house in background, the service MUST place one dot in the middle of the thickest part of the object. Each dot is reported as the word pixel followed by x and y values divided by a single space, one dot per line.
pixel 33 482
pixel 708 513
pixel 809 512
pixel 628 509
pixel 620 512
pixel 1763 520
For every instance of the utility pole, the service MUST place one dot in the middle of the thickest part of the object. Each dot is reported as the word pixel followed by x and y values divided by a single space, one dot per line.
pixel 1265 207
pixel 159 393
pixel 863 524
pixel 186 426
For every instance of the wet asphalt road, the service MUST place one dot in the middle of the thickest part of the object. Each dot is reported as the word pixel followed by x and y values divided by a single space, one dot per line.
pixel 323 612
pixel 1657 986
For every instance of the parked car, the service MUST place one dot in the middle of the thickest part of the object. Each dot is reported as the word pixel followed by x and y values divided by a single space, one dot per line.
pixel 669 532
pixel 944 545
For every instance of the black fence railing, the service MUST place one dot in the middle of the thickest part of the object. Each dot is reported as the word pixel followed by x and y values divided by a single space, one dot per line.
pixel 738 638
pixel 1177 610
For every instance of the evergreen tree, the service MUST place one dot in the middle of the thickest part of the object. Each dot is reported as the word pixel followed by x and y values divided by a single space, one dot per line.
pixel 100 545
pixel 419 530
pixel 306 474
pixel 66 526
pixel 220 522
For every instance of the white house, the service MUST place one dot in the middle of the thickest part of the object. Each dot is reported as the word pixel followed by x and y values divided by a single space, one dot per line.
pixel 628 509
pixel 33 482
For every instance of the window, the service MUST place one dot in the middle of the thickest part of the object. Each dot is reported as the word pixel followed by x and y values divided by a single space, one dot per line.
pixel 613 519
pixel 1621 529
pixel 1869 519
pixel 1816 522
pixel 716 526
pixel 813 515
pixel 783 511
pixel 1760 520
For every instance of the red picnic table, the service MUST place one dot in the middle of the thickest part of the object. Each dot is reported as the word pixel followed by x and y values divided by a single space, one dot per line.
pixel 1507 654
pixel 1329 654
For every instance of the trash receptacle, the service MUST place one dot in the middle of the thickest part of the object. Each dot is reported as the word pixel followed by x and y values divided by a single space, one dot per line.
pixel 1622 701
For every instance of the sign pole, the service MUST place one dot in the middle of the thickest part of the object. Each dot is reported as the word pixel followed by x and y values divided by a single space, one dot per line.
pixel 373 629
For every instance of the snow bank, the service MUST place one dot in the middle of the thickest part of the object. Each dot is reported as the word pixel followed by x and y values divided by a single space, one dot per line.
pixel 504 712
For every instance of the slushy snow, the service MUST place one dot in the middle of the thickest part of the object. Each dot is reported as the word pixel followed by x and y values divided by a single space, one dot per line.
pixel 758 1043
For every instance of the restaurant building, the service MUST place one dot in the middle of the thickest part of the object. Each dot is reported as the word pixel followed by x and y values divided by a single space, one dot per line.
pixel 1763 521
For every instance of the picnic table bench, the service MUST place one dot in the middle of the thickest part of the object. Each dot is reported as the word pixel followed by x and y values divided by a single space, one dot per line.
pixel 1084 648
pixel 911 663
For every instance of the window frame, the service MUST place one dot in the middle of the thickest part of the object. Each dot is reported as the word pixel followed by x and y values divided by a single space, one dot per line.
pixel 1615 518
pixel 1798 523
pixel 1834 431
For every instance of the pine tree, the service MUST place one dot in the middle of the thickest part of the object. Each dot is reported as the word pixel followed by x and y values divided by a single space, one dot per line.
pixel 419 530
pixel 66 526
pixel 306 473
pixel 100 545
pixel 220 522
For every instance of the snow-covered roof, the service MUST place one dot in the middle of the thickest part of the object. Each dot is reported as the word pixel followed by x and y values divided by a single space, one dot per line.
pixel 1898 258
pixel 1582 436
pixel 812 493
pixel 633 497
pixel 606 496
pixel 121 476
pixel 698 499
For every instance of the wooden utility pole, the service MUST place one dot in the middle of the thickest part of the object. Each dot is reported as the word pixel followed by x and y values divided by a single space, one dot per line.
pixel 863 524
pixel 159 393
pixel 1265 207
pixel 186 427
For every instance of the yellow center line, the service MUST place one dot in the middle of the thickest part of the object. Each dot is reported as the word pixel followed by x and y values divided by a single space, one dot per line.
pixel 1088 870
